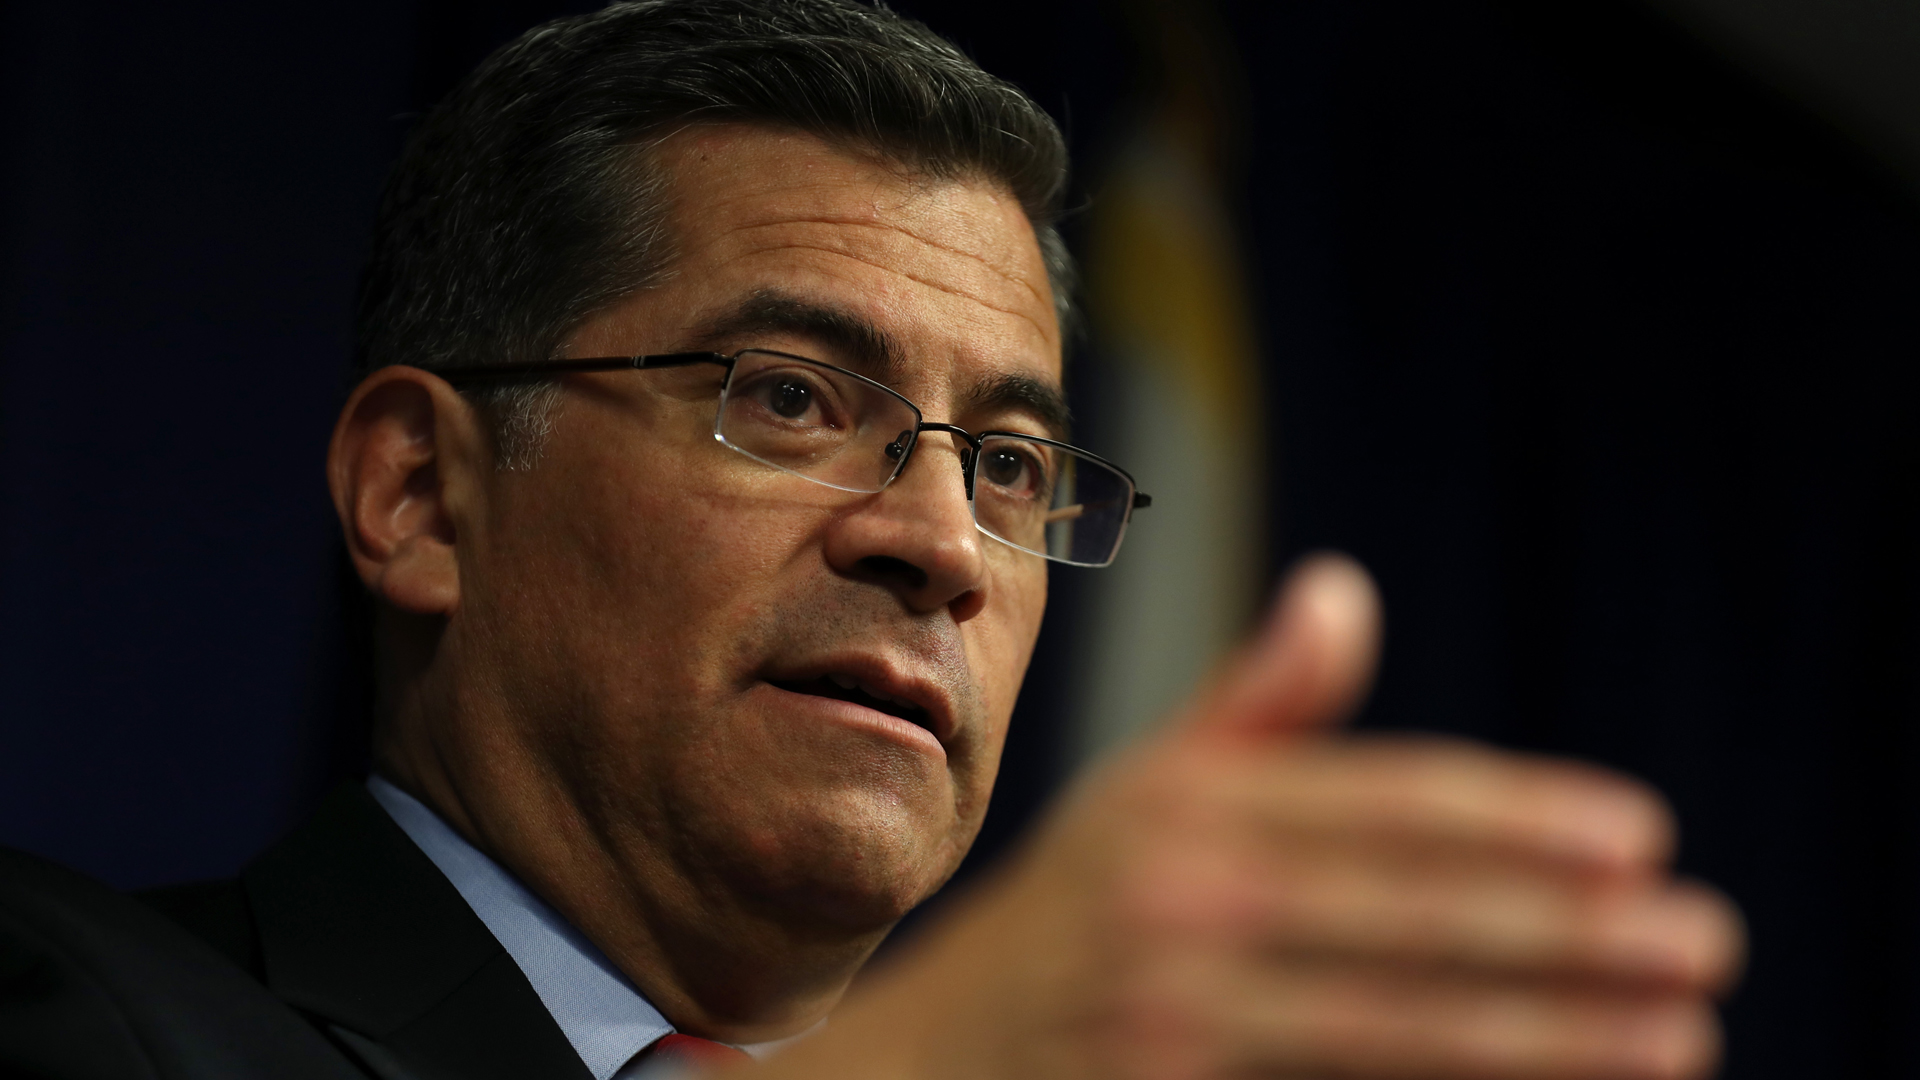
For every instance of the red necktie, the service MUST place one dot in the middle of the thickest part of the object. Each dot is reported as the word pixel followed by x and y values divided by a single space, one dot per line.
pixel 695 1052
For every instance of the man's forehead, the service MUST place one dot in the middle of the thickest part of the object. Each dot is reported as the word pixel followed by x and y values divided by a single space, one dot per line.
pixel 750 200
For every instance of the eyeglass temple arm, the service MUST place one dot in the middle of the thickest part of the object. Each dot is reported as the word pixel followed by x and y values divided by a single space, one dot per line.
pixel 546 368
pixel 1069 513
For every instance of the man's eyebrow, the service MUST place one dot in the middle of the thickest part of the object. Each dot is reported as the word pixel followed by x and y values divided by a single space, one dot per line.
pixel 870 350
pixel 1014 391
pixel 861 344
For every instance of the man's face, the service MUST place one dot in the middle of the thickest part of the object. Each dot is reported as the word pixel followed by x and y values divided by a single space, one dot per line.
pixel 654 631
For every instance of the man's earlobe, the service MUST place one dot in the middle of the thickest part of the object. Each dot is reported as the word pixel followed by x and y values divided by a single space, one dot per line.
pixel 402 446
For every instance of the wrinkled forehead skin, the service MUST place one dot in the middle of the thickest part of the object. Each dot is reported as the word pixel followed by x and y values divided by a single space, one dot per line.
pixel 949 264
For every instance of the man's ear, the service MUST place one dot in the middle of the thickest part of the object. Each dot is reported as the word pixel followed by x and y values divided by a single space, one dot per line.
pixel 404 457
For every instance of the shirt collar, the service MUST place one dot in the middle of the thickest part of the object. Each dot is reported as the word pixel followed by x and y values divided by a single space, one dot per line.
pixel 597 1008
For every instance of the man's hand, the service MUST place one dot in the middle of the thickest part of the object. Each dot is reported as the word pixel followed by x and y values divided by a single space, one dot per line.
pixel 1245 896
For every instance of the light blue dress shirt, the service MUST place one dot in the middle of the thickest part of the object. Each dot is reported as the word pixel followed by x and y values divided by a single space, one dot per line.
pixel 599 1011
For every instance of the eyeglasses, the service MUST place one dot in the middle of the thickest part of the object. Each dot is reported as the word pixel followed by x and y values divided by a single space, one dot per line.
pixel 841 429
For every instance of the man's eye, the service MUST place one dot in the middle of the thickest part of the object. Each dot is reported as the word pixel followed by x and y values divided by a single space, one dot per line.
pixel 790 398
pixel 1007 469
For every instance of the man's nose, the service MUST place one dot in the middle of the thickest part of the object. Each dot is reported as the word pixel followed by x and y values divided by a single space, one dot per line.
pixel 917 537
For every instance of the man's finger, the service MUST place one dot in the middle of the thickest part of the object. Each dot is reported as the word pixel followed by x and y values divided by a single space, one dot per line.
pixel 1210 1016
pixel 1403 907
pixel 1432 791
pixel 1312 661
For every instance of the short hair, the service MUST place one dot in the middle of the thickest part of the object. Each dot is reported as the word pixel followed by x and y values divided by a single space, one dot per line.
pixel 526 201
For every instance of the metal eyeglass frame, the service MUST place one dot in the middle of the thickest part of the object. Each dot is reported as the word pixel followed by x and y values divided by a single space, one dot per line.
pixel 970 457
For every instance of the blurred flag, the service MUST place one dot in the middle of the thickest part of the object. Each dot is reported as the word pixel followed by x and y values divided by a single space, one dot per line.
pixel 1180 391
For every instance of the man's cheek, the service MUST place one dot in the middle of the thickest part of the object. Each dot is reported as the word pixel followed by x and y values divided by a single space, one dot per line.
pixel 1000 645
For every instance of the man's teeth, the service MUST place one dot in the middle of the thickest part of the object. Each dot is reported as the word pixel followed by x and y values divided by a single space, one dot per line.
pixel 847 682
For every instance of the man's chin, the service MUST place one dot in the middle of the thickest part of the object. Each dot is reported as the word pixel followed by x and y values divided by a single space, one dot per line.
pixel 854 873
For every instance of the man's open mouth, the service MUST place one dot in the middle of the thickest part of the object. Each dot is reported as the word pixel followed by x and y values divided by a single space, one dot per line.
pixel 843 688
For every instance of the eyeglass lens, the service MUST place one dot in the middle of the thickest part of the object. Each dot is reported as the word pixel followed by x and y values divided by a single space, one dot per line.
pixel 813 420
pixel 837 429
pixel 1049 500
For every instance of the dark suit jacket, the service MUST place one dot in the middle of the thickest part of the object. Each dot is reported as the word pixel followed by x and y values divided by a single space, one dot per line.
pixel 348 922
pixel 93 986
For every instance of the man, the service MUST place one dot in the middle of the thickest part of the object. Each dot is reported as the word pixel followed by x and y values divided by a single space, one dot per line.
pixel 709 453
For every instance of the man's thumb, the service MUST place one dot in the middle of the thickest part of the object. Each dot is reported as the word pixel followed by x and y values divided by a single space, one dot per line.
pixel 1312 660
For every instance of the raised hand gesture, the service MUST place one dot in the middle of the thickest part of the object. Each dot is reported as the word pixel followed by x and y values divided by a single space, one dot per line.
pixel 1250 895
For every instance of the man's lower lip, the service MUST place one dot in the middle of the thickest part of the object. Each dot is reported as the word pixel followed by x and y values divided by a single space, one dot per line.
pixel 862 716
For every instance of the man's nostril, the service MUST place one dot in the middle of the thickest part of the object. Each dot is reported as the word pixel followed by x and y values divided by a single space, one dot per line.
pixel 894 571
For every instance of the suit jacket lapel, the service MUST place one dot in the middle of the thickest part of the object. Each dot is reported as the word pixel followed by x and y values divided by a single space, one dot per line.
pixel 360 929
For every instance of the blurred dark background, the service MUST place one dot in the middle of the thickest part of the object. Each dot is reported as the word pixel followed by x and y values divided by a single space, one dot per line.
pixel 1587 326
